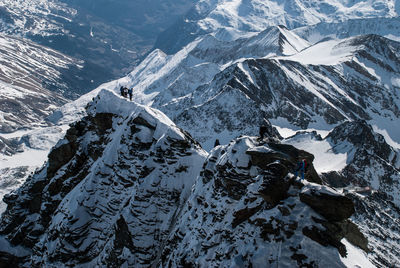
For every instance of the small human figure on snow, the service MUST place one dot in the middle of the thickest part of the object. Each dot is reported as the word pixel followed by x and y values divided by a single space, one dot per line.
pixel 263 131
pixel 301 167
pixel 130 92
pixel 216 143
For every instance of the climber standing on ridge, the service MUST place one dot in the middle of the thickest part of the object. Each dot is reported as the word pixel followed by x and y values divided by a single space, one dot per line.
pixel 216 143
pixel 124 91
pixel 301 166
pixel 130 92
pixel 263 130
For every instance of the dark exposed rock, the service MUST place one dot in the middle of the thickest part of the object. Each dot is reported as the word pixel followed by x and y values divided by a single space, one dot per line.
pixel 122 240
pixel 60 156
pixel 76 130
pixel 354 236
pixel 361 135
pixel 344 229
pixel 102 122
pixel 284 210
pixel 325 238
pixel 8 260
pixel 244 214
pixel 332 207
pixel 334 179
pixel 275 184
pixel 142 122
pixel 287 155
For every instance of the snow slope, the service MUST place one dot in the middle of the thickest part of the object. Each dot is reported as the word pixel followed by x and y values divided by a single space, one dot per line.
pixel 326 159
pixel 27 71
pixel 109 37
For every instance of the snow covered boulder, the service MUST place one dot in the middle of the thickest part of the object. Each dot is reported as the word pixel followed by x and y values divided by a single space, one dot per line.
pixel 333 206
pixel 335 209
pixel 288 155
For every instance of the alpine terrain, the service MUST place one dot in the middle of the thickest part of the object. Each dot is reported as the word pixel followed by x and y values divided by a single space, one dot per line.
pixel 235 103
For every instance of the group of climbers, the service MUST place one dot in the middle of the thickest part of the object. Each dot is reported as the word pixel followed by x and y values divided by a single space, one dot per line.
pixel 126 91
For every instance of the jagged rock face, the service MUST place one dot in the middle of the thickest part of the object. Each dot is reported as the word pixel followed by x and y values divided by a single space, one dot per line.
pixel 371 162
pixel 8 147
pixel 235 219
pixel 109 192
pixel 378 219
pixel 237 115
pixel 367 169
pixel 273 84
pixel 347 81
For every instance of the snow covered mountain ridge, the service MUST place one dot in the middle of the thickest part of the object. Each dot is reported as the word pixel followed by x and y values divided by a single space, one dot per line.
pixel 232 75
pixel 232 19
pixel 115 192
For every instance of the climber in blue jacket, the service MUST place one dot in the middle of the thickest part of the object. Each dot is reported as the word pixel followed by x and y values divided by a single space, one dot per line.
pixel 301 166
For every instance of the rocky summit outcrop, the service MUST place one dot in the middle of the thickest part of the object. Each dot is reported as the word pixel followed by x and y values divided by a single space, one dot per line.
pixel 248 210
pixel 108 194
pixel 333 207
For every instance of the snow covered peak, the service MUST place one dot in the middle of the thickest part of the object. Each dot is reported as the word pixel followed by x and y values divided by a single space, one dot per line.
pixel 256 15
pixel 336 51
pixel 238 18
pixel 110 103
pixel 119 176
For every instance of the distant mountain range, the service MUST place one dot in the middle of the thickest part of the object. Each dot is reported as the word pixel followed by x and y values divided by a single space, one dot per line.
pixel 234 19
pixel 110 38
pixel 143 184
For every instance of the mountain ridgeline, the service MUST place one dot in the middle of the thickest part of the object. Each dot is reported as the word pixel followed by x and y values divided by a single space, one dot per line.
pixel 127 187
pixel 179 177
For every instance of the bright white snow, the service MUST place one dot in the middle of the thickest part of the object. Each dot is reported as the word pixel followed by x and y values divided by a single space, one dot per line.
pixel 325 159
